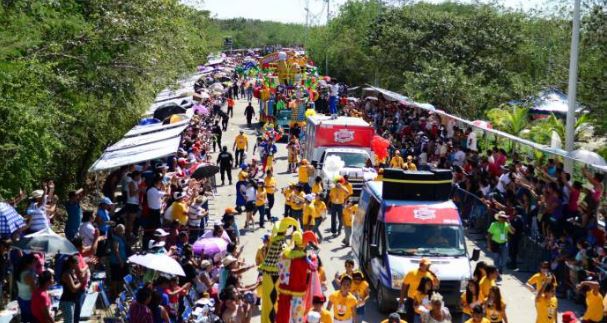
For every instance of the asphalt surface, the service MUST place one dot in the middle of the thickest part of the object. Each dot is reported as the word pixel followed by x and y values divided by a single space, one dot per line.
pixel 519 300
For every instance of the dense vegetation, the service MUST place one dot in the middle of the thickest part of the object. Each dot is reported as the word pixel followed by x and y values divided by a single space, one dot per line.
pixel 465 59
pixel 76 75
pixel 249 33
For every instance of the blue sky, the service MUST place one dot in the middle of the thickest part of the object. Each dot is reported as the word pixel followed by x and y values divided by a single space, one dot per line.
pixel 293 10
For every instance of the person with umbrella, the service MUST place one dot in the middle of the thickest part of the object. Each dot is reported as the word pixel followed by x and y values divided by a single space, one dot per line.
pixel 225 161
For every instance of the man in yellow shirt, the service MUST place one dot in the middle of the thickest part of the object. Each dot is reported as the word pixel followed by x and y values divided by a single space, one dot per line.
pixel 320 209
pixel 297 203
pixel 180 208
pixel 348 215
pixel 270 185
pixel 260 202
pixel 546 304
pixel 303 172
pixel 309 214
pixel 411 283
pixel 241 144
pixel 343 301
pixel 337 196
pixel 397 161
pixel 347 185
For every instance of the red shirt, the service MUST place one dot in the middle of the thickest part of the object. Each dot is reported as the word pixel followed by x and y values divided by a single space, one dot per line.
pixel 574 196
pixel 41 302
pixel 230 103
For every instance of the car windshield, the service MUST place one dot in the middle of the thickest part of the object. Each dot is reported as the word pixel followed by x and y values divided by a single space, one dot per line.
pixel 351 159
pixel 425 239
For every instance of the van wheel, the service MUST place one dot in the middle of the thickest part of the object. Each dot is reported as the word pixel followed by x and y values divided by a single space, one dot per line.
pixel 380 297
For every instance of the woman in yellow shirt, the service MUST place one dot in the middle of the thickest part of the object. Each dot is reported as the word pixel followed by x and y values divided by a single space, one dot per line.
pixel 421 299
pixel 317 187
pixel 348 216
pixel 303 173
pixel 470 298
pixel 477 315
pixel 343 301
pixel 594 302
pixel 270 185
pixel 360 290
pixel 546 304
pixel 287 191
pixel 309 214
pixel 495 308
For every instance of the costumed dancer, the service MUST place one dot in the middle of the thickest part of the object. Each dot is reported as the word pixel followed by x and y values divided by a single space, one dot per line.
pixel 293 267
pixel 269 269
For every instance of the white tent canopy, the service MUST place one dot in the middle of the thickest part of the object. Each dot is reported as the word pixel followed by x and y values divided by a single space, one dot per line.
pixel 137 154
pixel 155 127
pixel 128 142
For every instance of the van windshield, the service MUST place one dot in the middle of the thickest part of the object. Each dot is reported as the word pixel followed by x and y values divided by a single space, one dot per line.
pixel 425 240
pixel 351 159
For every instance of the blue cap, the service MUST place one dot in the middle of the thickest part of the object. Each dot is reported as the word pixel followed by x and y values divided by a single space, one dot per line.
pixel 106 200
pixel 244 166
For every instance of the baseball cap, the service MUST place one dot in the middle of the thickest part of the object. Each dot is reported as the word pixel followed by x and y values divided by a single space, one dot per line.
pixel 230 210
pixel 106 201
pixel 569 317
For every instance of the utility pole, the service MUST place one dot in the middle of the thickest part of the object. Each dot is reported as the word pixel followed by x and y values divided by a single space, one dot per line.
pixel 327 34
pixel 307 9
pixel 375 71
pixel 572 90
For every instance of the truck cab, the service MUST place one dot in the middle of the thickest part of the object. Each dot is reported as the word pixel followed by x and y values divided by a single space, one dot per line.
pixel 355 162
pixel 403 219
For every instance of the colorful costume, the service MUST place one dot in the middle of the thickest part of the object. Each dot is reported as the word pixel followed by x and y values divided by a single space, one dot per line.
pixel 269 269
pixel 293 267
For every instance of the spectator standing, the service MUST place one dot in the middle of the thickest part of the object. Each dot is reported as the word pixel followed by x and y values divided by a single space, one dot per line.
pixel 132 201
pixel 87 230
pixel 74 213
pixel 497 239
pixel 26 284
pixel 139 312
pixel 105 209
pixel 36 211
pixel 41 301
pixel 71 290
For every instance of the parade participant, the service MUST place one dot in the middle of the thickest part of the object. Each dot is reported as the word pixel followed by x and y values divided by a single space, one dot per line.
pixel 292 283
pixel 270 151
pixel 360 290
pixel 317 187
pixel 347 185
pixel 297 203
pixel 410 165
pixel 348 216
pixel 343 301
pixel 349 270
pixel 337 196
pixel 487 281
pixel 231 104
pixel 270 271
pixel 225 162
pixel 320 209
pixel 251 197
pixel 470 298
pixel 262 250
pixel 287 192
pixel 546 304
pixel 410 285
pixel 293 148
pixel 544 276
pixel 477 315
pixel 303 172
pixel 240 146
pixel 495 308
pixel 309 214
pixel 393 318
pixel 438 313
pixel 397 161
pixel 594 301
pixel 324 316
pixel 261 198
pixel 269 183
pixel 423 294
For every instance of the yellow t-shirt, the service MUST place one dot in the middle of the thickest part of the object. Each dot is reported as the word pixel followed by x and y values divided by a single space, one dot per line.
pixel 419 300
pixel 348 214
pixel 411 166
pixel 270 184
pixel 242 175
pixel 325 316
pixel 337 196
pixel 349 188
pixel 594 307
pixel 413 279
pixel 303 174
pixel 465 306
pixel 397 162
pixel 241 141
pixel 485 285
pixel 260 255
pixel 260 197
pixel 538 280
pixel 546 310
pixel 483 320
pixel 180 212
pixel 317 188
pixel 309 214
pixel 297 197
pixel 320 207
pixel 343 306
pixel 360 290
pixel 493 314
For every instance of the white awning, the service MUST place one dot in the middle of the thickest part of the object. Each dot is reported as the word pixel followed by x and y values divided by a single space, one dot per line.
pixel 150 137
pixel 155 127
pixel 137 154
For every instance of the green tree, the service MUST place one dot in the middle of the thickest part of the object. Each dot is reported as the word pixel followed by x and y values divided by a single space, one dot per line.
pixel 510 119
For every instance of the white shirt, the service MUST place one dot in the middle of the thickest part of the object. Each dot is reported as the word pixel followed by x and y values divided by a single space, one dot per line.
pixel 194 215
pixel 472 141
pixel 503 181
pixel 132 199
pixel 450 125
pixel 39 221
pixel 154 197
pixel 87 233
pixel 334 90
pixel 250 194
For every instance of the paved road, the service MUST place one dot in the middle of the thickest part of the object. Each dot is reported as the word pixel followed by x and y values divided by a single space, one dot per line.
pixel 520 301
